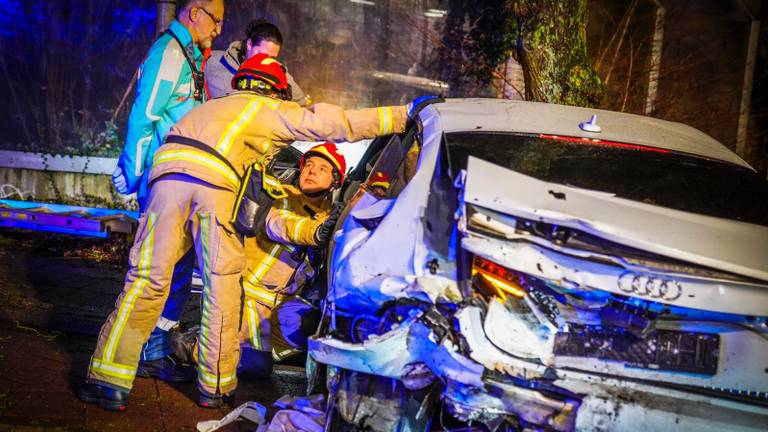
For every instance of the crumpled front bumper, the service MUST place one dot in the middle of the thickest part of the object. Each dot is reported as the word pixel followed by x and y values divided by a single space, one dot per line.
pixel 471 391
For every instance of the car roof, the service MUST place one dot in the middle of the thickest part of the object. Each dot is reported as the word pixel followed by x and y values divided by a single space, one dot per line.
pixel 503 115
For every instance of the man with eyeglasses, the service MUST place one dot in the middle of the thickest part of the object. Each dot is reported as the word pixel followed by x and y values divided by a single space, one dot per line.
pixel 170 84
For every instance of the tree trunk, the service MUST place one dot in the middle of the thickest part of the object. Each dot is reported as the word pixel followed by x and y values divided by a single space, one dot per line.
pixel 552 48
pixel 166 13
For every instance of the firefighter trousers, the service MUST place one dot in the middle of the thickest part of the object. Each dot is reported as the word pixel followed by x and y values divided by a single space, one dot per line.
pixel 183 212
pixel 282 330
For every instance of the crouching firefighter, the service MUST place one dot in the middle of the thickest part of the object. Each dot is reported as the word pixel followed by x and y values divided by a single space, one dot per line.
pixel 276 318
pixel 194 183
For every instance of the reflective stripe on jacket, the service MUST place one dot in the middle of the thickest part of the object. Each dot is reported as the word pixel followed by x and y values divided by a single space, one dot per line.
pixel 276 263
pixel 164 94
pixel 244 127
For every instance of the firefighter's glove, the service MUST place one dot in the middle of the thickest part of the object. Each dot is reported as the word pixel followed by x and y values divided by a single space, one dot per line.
pixel 324 231
pixel 420 103
pixel 118 179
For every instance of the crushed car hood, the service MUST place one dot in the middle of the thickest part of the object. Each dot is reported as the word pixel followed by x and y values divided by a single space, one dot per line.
pixel 722 244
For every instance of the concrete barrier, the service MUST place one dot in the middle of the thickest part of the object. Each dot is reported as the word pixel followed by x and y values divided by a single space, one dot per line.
pixel 64 179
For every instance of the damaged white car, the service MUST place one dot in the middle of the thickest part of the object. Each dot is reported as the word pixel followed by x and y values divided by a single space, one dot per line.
pixel 509 265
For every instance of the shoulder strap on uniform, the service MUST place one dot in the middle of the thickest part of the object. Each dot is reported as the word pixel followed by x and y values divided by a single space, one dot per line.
pixel 178 139
pixel 197 75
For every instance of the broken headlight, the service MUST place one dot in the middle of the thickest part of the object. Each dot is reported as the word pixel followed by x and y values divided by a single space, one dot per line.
pixel 492 279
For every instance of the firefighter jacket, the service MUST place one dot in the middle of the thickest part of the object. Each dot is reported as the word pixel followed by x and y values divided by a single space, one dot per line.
pixel 164 94
pixel 276 259
pixel 222 66
pixel 245 128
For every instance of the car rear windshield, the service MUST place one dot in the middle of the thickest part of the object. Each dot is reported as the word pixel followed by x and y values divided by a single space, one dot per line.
pixel 650 175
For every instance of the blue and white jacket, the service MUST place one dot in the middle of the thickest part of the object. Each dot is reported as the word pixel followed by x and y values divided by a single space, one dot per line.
pixel 164 94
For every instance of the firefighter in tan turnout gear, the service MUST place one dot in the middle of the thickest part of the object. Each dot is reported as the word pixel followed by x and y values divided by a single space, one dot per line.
pixel 194 182
pixel 276 320
pixel 274 316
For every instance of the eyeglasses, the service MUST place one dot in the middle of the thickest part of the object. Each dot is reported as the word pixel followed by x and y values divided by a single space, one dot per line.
pixel 216 21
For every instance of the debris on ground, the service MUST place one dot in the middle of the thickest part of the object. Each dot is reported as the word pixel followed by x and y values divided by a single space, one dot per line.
pixel 251 416
pixel 296 414
pixel 299 414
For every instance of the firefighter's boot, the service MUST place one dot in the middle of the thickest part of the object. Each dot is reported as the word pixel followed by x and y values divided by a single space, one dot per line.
pixel 107 398
pixel 206 400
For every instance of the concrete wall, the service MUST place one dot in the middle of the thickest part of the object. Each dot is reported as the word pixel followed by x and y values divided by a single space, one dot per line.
pixel 63 179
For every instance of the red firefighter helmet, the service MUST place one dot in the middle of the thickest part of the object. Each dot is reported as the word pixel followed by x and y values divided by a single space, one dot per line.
pixel 328 151
pixel 261 71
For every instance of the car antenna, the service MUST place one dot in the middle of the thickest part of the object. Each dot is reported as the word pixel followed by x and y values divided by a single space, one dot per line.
pixel 591 125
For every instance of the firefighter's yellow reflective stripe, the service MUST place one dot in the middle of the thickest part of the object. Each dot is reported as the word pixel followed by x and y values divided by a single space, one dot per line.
pixel 385 120
pixel 113 369
pixel 253 324
pixel 129 300
pixel 213 380
pixel 266 263
pixel 297 229
pixel 264 297
pixel 234 128
pixel 201 159
pixel 205 313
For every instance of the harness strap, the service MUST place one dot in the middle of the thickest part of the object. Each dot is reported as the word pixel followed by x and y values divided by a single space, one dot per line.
pixel 191 142
pixel 197 76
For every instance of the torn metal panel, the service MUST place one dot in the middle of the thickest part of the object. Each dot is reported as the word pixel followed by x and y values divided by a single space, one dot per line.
pixel 374 403
pixel 517 332
pixel 487 354
pixel 437 289
pixel 500 398
pixel 394 353
pixel 357 279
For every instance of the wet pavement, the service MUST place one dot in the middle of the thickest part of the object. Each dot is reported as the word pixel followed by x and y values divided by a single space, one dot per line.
pixel 55 292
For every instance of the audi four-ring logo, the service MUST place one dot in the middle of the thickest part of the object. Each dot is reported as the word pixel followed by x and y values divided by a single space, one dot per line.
pixel 647 286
